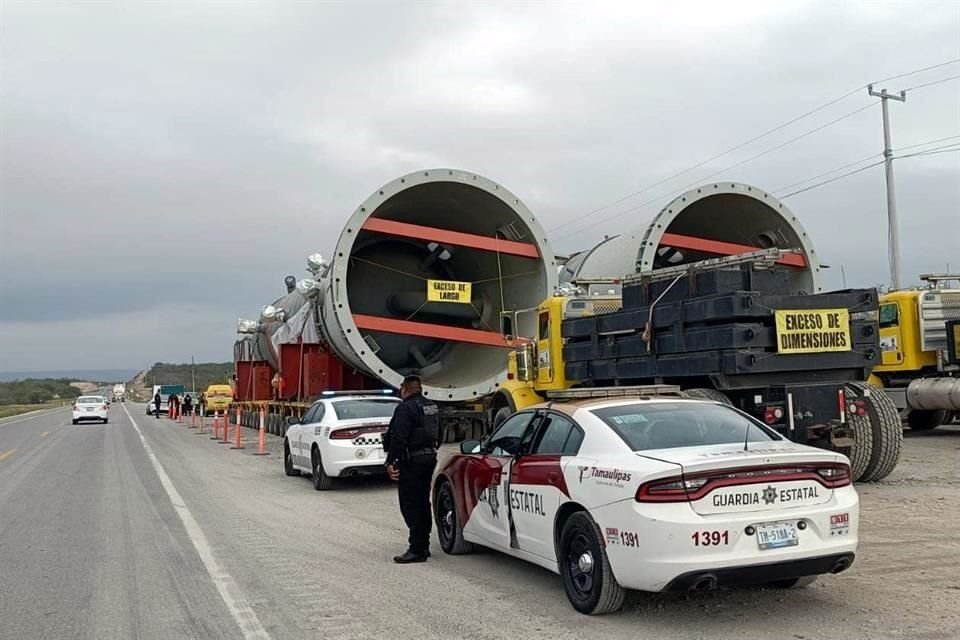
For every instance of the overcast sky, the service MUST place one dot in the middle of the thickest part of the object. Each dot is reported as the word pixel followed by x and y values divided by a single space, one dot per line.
pixel 164 165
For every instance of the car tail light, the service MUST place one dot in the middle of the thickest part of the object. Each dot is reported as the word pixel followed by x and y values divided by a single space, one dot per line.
pixel 697 485
pixel 103 407
pixel 352 432
pixel 674 489
pixel 836 475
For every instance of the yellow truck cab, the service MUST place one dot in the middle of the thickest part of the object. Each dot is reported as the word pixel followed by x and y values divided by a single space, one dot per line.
pixel 219 397
pixel 918 369
pixel 535 367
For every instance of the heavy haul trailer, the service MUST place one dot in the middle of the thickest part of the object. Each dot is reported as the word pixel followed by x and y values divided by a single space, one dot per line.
pixel 724 330
pixel 920 368
pixel 417 281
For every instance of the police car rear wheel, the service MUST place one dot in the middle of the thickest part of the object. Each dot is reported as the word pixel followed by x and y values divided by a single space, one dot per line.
pixel 288 461
pixel 448 528
pixel 321 481
pixel 587 577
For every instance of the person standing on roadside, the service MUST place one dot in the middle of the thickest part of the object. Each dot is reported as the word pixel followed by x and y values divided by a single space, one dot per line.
pixel 187 405
pixel 411 443
pixel 156 405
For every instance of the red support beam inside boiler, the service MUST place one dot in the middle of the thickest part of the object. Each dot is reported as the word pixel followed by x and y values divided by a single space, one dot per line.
pixel 719 247
pixel 410 328
pixel 445 236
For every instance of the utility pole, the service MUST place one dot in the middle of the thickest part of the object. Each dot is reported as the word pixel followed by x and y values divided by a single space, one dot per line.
pixel 894 231
pixel 193 375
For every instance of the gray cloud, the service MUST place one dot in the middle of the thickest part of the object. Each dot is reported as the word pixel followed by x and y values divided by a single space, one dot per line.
pixel 192 154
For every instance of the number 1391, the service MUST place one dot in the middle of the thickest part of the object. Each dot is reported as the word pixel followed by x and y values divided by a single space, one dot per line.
pixel 710 538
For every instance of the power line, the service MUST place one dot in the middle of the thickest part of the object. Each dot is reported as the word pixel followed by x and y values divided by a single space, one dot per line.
pixel 923 144
pixel 748 142
pixel 930 84
pixel 932 152
pixel 826 173
pixel 716 173
pixel 864 159
pixel 840 177
pixel 944 149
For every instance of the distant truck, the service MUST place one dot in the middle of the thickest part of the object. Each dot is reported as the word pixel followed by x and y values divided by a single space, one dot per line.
pixel 119 393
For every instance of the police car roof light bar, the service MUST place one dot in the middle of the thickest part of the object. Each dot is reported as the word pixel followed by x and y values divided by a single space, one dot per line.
pixel 616 392
pixel 357 392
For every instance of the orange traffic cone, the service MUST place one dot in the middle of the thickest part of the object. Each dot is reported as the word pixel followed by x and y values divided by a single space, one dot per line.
pixel 261 438
pixel 238 444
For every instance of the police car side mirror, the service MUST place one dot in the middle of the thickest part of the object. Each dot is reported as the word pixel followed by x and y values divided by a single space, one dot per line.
pixel 470 446
pixel 292 420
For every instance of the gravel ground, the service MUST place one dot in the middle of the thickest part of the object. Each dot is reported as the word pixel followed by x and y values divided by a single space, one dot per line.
pixel 317 565
pixel 904 584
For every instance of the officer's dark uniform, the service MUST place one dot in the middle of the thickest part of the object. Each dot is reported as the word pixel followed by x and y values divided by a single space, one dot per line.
pixel 412 437
pixel 156 404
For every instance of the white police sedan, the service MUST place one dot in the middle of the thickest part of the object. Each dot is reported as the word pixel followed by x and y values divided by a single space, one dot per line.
pixel 652 494
pixel 339 436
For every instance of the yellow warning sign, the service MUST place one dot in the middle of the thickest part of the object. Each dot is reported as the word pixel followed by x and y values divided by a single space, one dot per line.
pixel 448 291
pixel 813 330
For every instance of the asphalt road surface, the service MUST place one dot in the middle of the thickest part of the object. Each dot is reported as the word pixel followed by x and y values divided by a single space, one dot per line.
pixel 144 528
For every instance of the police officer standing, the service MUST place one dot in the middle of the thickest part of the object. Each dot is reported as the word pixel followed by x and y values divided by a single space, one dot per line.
pixel 411 444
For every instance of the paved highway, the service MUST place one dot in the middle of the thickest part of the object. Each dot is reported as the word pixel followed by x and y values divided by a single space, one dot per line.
pixel 143 528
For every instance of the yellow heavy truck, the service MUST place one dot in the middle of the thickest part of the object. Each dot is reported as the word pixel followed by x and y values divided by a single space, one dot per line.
pixel 797 362
pixel 920 368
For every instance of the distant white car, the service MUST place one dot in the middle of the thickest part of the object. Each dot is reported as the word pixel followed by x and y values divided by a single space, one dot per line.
pixel 90 408
pixel 339 436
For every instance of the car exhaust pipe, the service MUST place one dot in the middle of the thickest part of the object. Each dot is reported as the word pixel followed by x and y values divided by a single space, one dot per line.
pixel 841 565
pixel 705 583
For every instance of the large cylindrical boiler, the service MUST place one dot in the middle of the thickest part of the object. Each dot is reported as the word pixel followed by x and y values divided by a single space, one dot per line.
pixel 438 226
pixel 717 219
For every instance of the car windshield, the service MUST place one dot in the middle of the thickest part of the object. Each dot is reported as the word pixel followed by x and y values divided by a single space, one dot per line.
pixel 358 409
pixel 665 425
pixel 89 400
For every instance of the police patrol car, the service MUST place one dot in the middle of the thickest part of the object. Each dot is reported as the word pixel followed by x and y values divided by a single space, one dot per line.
pixel 653 494
pixel 340 435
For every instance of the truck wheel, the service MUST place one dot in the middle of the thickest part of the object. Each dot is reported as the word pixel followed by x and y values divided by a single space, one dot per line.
pixel 882 421
pixel 587 577
pixel 927 420
pixel 288 468
pixel 500 417
pixel 708 394
pixel 321 481
pixel 449 529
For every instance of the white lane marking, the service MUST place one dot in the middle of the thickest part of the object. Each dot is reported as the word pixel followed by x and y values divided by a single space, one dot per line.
pixel 233 597
pixel 39 413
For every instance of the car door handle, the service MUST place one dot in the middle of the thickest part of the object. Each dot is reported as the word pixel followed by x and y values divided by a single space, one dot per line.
pixel 553 478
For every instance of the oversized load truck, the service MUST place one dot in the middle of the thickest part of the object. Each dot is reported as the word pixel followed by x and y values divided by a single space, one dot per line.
pixel 750 329
pixel 919 336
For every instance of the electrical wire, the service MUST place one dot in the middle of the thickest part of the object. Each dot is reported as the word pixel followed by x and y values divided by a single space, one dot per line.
pixel 923 144
pixel 930 84
pixel 750 141
pixel 945 149
pixel 825 182
pixel 864 159
pixel 826 173
pixel 728 168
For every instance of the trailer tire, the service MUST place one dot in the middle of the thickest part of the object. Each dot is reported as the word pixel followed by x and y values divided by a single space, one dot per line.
pixel 919 420
pixel 500 417
pixel 883 423
pixel 708 394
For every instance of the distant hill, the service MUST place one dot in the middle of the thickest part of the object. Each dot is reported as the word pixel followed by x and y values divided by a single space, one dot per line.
pixel 36 391
pixel 92 375
pixel 206 373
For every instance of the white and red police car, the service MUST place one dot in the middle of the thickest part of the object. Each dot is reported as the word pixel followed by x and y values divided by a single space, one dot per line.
pixel 339 436
pixel 653 494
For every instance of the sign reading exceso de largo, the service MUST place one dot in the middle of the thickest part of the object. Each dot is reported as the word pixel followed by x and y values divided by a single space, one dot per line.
pixel 813 330
pixel 449 291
